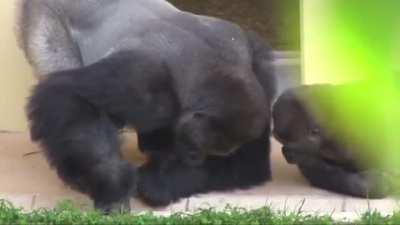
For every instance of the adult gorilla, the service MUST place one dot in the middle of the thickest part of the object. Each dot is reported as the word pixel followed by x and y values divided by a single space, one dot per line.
pixel 197 89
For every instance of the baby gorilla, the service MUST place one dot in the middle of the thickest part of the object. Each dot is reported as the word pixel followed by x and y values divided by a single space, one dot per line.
pixel 76 115
pixel 319 154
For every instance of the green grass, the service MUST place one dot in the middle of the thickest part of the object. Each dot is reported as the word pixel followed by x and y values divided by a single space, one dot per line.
pixel 67 214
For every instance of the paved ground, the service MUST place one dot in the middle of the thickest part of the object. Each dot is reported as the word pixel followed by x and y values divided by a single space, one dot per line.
pixel 27 181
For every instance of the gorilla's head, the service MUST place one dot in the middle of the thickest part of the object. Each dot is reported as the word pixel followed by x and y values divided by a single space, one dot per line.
pixel 297 128
pixel 227 111
pixel 199 135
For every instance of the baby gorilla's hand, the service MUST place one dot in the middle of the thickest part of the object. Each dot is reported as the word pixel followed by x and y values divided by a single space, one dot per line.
pixel 376 184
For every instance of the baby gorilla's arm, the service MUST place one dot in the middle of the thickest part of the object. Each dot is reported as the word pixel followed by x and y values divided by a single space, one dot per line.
pixel 366 184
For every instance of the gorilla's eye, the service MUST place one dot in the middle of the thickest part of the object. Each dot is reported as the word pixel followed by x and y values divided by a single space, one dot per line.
pixel 315 131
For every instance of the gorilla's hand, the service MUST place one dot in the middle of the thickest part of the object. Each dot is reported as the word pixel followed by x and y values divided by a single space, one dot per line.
pixel 165 179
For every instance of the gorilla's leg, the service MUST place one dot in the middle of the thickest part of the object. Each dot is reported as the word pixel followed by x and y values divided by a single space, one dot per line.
pixel 248 166
pixel 367 184
pixel 45 38
pixel 86 156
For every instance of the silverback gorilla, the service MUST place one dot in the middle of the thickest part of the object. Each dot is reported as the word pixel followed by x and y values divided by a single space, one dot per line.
pixel 197 89
pixel 322 157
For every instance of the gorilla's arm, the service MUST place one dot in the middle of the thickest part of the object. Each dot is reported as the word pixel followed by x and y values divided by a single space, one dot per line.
pixel 165 178
pixel 82 144
pixel 248 166
pixel 366 184
pixel 53 49
pixel 73 114
pixel 321 159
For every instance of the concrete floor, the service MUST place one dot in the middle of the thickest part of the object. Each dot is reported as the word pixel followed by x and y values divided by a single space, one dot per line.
pixel 28 182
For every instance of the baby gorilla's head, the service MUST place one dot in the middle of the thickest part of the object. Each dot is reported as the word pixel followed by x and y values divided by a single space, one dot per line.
pixel 297 128
pixel 198 135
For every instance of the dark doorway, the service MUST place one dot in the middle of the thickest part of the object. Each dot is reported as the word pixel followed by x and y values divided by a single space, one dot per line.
pixel 276 20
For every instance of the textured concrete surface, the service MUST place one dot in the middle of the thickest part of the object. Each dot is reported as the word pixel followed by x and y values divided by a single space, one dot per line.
pixel 28 182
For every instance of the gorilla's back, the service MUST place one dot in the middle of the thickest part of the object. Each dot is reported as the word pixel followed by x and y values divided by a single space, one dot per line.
pixel 101 27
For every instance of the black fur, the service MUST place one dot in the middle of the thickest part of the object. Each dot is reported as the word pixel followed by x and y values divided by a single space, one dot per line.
pixel 76 116
pixel 197 90
pixel 320 154
pixel 219 140
pixel 165 178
